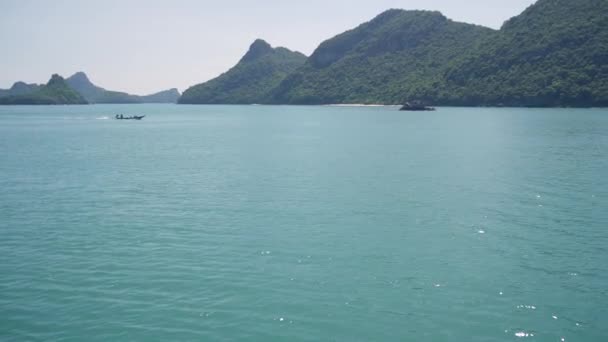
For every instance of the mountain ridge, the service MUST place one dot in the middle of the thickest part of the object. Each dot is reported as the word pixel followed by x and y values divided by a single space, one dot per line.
pixel 19 88
pixel 92 93
pixel 95 94
pixel 55 92
pixel 250 80
pixel 379 61
pixel 553 54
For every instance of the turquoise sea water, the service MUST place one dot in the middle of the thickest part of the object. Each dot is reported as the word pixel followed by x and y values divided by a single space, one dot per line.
pixel 223 223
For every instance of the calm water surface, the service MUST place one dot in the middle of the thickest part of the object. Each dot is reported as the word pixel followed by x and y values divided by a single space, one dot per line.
pixel 220 223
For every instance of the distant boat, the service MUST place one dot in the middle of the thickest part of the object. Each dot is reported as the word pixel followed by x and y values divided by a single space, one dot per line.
pixel 416 106
pixel 134 117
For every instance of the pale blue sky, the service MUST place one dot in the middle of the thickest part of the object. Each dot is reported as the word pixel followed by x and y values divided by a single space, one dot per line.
pixel 142 46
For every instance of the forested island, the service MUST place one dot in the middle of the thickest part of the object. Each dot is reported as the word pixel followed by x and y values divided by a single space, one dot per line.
pixel 94 94
pixel 554 54
pixel 55 92
pixel 252 80
pixel 76 89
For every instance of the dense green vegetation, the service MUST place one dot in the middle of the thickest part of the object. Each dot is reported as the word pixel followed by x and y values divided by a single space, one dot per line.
pixel 397 53
pixel 554 54
pixel 251 80
pixel 94 94
pixel 55 92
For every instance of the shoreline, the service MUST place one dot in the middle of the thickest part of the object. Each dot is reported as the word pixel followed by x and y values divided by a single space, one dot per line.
pixel 336 105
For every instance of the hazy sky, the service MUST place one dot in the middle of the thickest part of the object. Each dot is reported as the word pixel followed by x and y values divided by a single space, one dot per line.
pixel 142 46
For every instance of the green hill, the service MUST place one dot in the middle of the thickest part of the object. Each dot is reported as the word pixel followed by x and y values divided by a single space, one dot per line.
pixel 381 61
pixel 554 54
pixel 19 88
pixel 55 92
pixel 251 80
pixel 94 94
